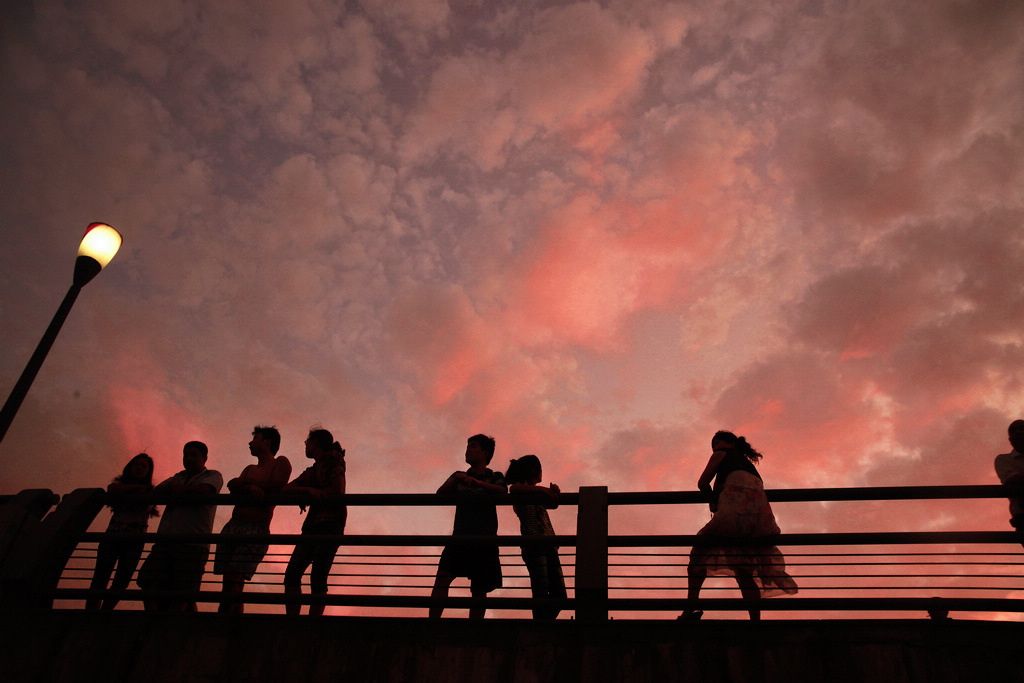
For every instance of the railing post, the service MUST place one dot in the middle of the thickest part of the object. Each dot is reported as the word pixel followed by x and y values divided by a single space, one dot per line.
pixel 26 508
pixel 592 554
pixel 33 566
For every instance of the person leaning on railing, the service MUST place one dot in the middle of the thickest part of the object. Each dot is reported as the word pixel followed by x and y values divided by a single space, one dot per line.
pixel 129 517
pixel 173 565
pixel 238 556
pixel 1010 470
pixel 542 562
pixel 475 515
pixel 324 479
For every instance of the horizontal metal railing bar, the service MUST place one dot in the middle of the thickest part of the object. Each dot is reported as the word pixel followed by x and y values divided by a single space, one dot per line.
pixel 810 495
pixel 796 603
pixel 339 599
pixel 348 540
pixel 830 590
pixel 507 570
pixel 846 538
pixel 824 575
pixel 343 560
pixel 791 565
pixel 353 499
pixel 844 555
pixel 819 495
pixel 890 591
pixel 890 604
pixel 566 561
pixel 838 567
pixel 84 573
pixel 389 586
pixel 621 541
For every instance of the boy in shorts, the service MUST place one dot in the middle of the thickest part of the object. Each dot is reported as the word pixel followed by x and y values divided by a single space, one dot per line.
pixel 475 515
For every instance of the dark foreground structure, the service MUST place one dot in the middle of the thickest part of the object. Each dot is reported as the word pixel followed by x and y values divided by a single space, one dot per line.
pixel 133 646
pixel 873 606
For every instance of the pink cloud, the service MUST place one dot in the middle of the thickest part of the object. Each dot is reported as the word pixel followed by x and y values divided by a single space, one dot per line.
pixel 437 329
pixel 578 63
pixel 597 232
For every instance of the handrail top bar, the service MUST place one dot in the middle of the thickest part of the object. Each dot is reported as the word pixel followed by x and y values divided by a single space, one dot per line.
pixel 824 539
pixel 832 494
pixel 792 603
pixel 619 497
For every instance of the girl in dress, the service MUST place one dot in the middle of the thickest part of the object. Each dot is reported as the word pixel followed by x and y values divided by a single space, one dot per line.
pixel 741 511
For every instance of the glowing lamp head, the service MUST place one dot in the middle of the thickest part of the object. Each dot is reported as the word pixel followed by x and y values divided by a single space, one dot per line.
pixel 98 246
pixel 101 242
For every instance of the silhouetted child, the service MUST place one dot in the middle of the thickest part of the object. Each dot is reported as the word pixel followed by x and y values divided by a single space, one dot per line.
pixel 476 516
pixel 546 581
pixel 128 518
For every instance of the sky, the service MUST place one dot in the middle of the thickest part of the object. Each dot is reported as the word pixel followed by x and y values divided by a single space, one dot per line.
pixel 598 231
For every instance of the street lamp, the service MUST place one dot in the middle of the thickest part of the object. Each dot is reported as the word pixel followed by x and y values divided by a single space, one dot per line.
pixel 98 246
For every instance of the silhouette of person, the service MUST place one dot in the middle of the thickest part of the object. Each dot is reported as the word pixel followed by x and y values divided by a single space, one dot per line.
pixel 546 581
pixel 236 559
pixel 475 515
pixel 740 511
pixel 1010 470
pixel 179 566
pixel 127 518
pixel 324 479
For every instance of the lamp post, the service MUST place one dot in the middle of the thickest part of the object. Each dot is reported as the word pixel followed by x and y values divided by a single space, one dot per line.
pixel 98 246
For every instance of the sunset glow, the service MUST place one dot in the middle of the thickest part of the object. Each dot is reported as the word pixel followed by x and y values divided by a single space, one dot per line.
pixel 598 231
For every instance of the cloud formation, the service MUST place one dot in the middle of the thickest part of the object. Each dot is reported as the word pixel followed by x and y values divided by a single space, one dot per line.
pixel 597 231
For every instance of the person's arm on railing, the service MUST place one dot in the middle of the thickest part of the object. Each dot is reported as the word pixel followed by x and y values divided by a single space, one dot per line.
pixel 552 492
pixel 1009 477
pixel 450 484
pixel 305 483
pixel 176 487
pixel 704 483
pixel 473 482
pixel 121 487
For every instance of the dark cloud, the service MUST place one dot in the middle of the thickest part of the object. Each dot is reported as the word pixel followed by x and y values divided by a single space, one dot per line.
pixel 597 231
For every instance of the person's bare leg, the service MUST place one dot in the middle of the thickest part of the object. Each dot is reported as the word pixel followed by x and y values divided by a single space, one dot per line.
pixel 295 592
pixel 477 612
pixel 233 585
pixel 694 582
pixel 442 582
pixel 749 591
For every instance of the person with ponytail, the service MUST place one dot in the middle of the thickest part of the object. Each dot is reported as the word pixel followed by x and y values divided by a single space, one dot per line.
pixel 546 581
pixel 323 480
pixel 740 510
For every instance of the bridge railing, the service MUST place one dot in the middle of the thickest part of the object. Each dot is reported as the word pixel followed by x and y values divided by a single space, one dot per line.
pixel 48 560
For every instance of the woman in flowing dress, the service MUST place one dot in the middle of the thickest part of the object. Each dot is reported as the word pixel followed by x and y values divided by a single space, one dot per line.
pixel 740 510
